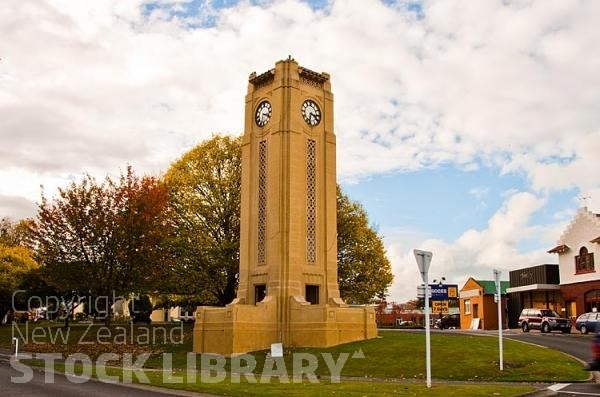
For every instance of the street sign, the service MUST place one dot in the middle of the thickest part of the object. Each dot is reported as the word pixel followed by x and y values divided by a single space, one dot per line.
pixel 423 261
pixel 439 307
pixel 421 291
pixel 443 292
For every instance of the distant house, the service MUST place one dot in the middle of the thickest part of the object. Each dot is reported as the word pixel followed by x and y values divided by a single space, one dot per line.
pixel 577 249
pixel 478 310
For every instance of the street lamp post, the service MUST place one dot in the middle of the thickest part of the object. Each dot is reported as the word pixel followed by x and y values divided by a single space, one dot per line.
pixel 423 261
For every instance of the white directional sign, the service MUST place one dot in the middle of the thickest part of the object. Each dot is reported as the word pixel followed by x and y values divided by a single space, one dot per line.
pixel 423 261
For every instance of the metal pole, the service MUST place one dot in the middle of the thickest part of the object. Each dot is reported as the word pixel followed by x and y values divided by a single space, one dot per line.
pixel 16 342
pixel 427 331
pixel 500 330
pixel 499 300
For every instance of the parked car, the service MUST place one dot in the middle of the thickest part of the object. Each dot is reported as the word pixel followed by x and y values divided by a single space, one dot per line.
pixel 448 321
pixel 588 322
pixel 545 320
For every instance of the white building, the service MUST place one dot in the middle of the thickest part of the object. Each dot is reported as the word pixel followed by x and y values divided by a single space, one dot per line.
pixel 576 248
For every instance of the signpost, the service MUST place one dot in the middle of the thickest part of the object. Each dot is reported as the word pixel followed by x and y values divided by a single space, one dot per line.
pixel 498 299
pixel 423 261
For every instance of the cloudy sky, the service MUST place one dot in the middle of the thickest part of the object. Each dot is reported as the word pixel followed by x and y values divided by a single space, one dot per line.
pixel 467 128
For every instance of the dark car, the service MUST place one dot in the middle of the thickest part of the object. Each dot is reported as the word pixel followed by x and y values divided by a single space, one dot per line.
pixel 545 320
pixel 588 322
pixel 448 321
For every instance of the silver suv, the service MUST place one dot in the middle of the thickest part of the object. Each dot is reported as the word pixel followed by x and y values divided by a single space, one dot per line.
pixel 545 320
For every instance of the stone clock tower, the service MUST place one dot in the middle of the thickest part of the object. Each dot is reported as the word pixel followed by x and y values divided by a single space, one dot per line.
pixel 288 290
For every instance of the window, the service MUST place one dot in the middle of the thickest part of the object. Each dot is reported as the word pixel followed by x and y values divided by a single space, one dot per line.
pixel 260 291
pixel 262 203
pixel 311 201
pixel 312 294
pixel 584 262
pixel 467 306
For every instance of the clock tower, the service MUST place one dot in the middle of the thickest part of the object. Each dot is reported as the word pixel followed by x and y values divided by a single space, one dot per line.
pixel 288 290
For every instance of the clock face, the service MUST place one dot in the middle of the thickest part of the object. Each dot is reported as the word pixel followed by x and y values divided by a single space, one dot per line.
pixel 311 112
pixel 263 113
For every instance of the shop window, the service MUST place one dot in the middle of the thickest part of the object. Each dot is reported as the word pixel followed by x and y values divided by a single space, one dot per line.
pixel 584 262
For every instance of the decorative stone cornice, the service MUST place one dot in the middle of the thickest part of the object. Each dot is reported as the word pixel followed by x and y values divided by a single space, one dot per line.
pixel 262 79
pixel 309 77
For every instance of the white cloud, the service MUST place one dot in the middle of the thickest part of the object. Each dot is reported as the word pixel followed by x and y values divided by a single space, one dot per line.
pixel 477 252
pixel 95 85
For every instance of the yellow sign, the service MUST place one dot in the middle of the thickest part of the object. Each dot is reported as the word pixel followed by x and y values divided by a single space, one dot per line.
pixel 439 306
pixel 452 292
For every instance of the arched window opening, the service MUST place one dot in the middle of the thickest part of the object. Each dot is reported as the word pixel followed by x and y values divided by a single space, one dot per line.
pixel 584 262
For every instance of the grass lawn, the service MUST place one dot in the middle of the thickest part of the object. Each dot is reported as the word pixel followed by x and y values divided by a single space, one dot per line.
pixel 393 364
pixel 241 387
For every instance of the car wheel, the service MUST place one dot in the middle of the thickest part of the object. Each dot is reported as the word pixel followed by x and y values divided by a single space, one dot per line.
pixel 583 329
pixel 525 327
pixel 545 328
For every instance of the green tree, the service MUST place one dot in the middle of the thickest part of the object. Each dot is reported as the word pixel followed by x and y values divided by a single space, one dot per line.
pixel 204 185
pixel 205 193
pixel 364 272
pixel 105 240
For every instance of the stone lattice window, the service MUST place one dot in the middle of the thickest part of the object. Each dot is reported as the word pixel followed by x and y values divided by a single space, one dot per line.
pixel 584 262
pixel 311 201
pixel 262 203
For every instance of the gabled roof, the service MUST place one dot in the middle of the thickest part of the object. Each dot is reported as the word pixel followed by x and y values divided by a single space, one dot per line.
pixel 489 287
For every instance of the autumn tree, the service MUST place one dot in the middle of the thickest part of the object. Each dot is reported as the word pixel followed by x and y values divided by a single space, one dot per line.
pixel 205 192
pixel 364 272
pixel 16 262
pixel 105 240
pixel 204 185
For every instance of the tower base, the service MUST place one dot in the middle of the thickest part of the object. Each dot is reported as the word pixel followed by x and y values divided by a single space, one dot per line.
pixel 240 328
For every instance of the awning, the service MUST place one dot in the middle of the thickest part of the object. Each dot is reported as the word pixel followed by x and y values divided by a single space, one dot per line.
pixel 533 287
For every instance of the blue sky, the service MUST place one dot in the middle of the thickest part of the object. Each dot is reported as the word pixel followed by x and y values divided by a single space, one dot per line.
pixel 466 128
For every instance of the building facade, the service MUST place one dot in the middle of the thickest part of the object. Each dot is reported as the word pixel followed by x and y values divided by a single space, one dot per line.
pixel 478 309
pixel 577 249
pixel 537 287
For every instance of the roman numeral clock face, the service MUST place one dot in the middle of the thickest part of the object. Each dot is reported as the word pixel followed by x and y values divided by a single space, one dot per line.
pixel 263 113
pixel 311 112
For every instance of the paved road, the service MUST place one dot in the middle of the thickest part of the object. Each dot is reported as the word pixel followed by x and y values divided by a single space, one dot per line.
pixel 61 386
pixel 575 344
